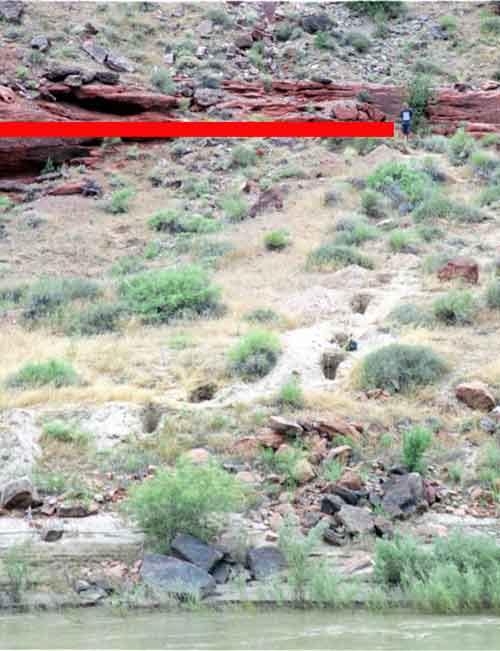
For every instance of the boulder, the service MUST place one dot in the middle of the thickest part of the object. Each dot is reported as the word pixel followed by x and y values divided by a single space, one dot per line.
pixel 284 426
pixel 331 504
pixel 403 495
pixel 350 480
pixel 52 531
pixel 271 198
pixel 355 520
pixel 476 395
pixel 316 23
pixel 349 496
pixel 94 50
pixel 77 510
pixel 174 576
pixel 11 10
pixel 17 494
pixel 188 548
pixel 40 43
pixel 119 63
pixel 265 561
pixel 465 268
pixel 341 452
pixel 244 41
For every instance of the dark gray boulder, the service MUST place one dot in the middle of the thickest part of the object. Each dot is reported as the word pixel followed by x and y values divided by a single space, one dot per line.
pixel 331 504
pixel 403 495
pixel 171 575
pixel 188 548
pixel 355 520
pixel 265 561
pixel 316 23
pixel 17 494
pixel 11 10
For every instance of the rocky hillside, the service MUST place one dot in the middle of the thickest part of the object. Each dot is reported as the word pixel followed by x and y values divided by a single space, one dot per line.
pixel 313 320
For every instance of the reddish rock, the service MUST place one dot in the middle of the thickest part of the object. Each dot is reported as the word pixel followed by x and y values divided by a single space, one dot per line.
pixel 271 198
pixel 284 426
pixel 336 426
pixel 197 455
pixel 476 395
pixel 246 448
pixel 460 268
pixel 270 439
pixel 351 480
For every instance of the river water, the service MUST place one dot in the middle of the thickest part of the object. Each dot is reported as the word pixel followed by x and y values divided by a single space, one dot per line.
pixel 274 629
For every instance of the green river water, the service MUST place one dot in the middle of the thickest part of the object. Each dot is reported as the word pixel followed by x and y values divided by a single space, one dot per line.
pixel 273 629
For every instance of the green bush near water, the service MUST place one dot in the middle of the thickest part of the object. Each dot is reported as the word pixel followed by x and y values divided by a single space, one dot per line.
pixel 457 574
pixel 182 501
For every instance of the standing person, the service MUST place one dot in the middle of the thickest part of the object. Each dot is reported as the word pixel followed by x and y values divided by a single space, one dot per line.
pixel 406 116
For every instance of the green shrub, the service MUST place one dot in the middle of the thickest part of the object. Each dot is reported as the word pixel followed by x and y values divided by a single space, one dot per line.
pixel 490 25
pixel 399 368
pixel 243 156
pixel 372 203
pixel 448 24
pixel 60 431
pixel 95 320
pixel 196 187
pixel 400 240
pixel 159 296
pixel 456 307
pixel 182 501
pixel 162 80
pixel 211 252
pixel 220 17
pixel 283 32
pixel 47 295
pixel 416 441
pixel 409 314
pixel 414 183
pixel 13 293
pixel 429 232
pixel 457 574
pixel 127 264
pixel 291 395
pixel 460 147
pixel 119 202
pixel 331 256
pixel 437 144
pixel 490 196
pixel 261 315
pixel 358 41
pixel 289 172
pixel 34 375
pixel 5 204
pixel 419 96
pixel 489 466
pixel 283 463
pixel 360 232
pixel 483 164
pixel 172 222
pixel 235 208
pixel 493 295
pixel 255 355
pixel 375 8
pixel 490 140
pixel 324 41
pixel 332 470
pixel 436 206
pixel 277 240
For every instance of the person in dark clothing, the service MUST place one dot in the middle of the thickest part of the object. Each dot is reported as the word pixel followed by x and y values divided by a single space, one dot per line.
pixel 406 116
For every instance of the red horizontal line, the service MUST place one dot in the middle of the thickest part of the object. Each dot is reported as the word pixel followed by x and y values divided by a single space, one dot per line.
pixel 324 129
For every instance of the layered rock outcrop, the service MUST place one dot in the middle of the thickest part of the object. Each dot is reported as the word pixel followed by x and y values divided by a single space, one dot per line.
pixel 70 99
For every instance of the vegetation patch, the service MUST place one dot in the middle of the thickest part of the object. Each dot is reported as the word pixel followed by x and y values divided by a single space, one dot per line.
pixel 331 256
pixel 457 574
pixel 255 355
pixel 182 501
pixel 399 368
pixel 33 375
pixel 456 307
pixel 416 441
pixel 160 296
